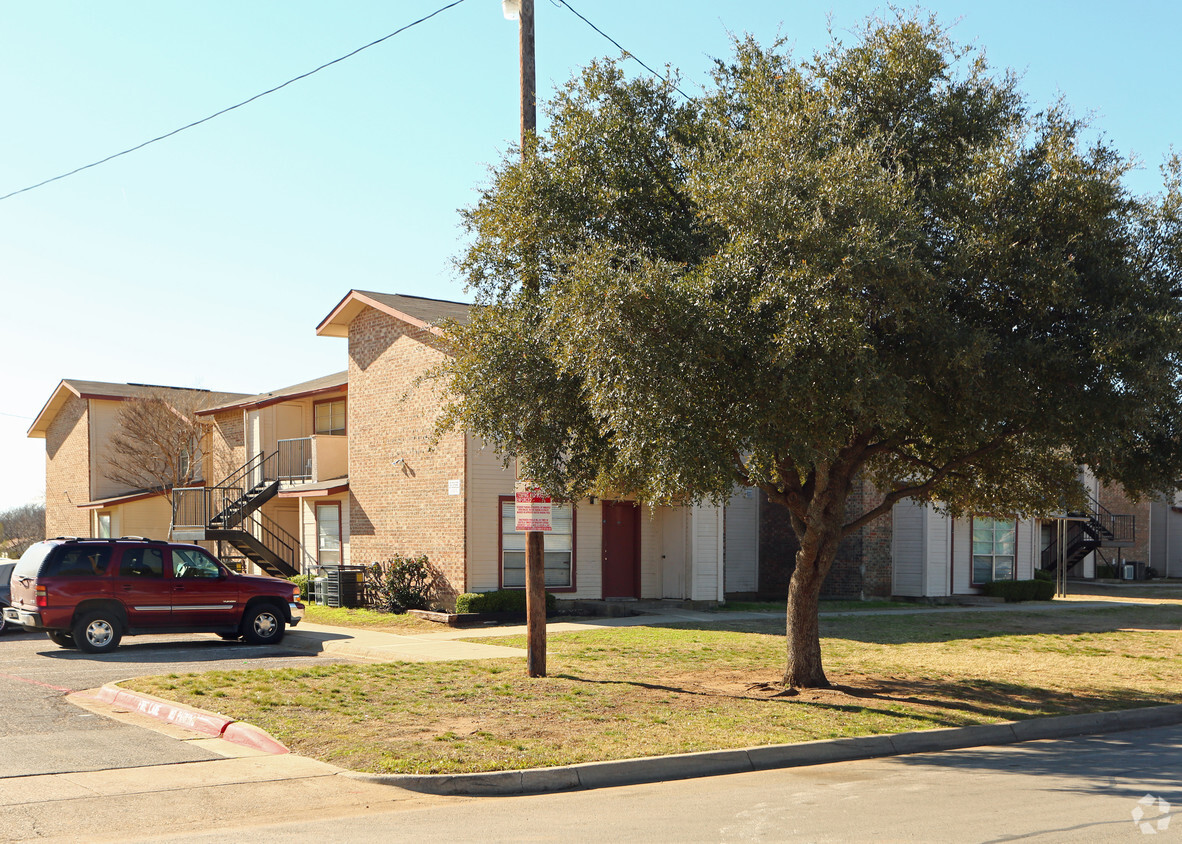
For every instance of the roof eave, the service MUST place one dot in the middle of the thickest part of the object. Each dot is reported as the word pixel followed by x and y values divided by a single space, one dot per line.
pixel 336 324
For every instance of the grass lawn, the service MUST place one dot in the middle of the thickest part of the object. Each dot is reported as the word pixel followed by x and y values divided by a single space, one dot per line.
pixel 625 692
pixel 826 606
pixel 371 619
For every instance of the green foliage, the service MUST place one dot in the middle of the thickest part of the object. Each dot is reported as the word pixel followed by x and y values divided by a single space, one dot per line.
pixel 400 584
pixel 503 600
pixel 1020 590
pixel 880 262
pixel 305 583
pixel 1044 574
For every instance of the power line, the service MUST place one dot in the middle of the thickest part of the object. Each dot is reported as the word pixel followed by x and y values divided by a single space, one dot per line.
pixel 619 46
pixel 237 105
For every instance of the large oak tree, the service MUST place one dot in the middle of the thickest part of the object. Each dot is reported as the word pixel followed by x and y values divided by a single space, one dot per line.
pixel 875 263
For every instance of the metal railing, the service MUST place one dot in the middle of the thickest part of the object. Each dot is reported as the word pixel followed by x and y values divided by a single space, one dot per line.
pixel 1102 526
pixel 295 459
pixel 273 537
pixel 224 505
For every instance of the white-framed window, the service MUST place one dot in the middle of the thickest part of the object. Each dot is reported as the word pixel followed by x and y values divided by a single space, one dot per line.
pixel 994 545
pixel 559 548
pixel 328 534
pixel 104 525
pixel 330 417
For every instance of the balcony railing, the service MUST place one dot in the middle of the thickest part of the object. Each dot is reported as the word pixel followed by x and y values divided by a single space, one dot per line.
pixel 322 457
pixel 295 460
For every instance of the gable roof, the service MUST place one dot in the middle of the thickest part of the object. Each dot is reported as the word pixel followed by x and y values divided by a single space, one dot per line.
pixel 413 310
pixel 73 387
pixel 338 382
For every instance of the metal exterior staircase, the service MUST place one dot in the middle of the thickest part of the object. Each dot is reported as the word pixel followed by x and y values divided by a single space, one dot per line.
pixel 1096 527
pixel 230 512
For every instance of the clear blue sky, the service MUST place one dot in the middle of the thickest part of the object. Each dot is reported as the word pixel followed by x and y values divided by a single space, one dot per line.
pixel 209 258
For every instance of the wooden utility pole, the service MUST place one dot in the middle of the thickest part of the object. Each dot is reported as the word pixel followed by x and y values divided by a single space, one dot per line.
pixel 535 547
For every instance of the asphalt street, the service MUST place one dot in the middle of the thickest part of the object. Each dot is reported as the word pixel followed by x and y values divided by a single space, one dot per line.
pixel 1087 789
pixel 43 733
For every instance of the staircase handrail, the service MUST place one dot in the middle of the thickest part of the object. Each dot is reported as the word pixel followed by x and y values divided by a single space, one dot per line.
pixel 261 462
pixel 274 537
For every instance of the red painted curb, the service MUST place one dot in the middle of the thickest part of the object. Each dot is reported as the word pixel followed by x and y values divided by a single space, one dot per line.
pixel 248 735
pixel 202 722
pixel 206 723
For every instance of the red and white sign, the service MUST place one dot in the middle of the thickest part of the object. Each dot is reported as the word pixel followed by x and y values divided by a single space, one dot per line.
pixel 532 507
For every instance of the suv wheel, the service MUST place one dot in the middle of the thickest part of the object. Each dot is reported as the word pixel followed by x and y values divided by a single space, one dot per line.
pixel 97 632
pixel 263 625
pixel 61 638
pixel 3 623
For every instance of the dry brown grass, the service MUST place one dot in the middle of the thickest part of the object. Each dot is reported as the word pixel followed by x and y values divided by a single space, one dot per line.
pixel 625 692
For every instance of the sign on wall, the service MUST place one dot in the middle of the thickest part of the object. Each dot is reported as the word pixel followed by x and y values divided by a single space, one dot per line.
pixel 532 507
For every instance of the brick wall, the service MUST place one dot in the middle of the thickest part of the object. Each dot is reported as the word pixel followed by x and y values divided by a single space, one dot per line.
pixel 226 444
pixel 862 568
pixel 1118 503
pixel 401 507
pixel 67 470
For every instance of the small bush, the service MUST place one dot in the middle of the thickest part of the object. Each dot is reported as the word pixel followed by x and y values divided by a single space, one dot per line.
pixel 1044 574
pixel 503 600
pixel 400 584
pixel 1105 571
pixel 1020 590
pixel 303 581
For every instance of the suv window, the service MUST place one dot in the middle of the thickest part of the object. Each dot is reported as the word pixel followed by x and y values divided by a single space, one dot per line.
pixel 142 562
pixel 78 561
pixel 29 565
pixel 188 562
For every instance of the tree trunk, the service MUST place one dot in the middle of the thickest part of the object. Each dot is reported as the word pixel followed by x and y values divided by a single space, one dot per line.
pixel 819 538
pixel 804 669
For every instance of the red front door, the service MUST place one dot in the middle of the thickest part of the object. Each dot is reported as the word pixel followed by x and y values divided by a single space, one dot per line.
pixel 621 549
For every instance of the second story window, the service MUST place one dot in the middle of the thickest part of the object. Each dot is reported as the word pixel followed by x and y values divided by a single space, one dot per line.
pixel 330 417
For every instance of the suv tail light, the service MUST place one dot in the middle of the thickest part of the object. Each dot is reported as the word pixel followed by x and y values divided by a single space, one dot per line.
pixel 42 597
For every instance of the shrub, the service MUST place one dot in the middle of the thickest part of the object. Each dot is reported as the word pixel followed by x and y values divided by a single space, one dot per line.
pixel 304 581
pixel 503 600
pixel 400 584
pixel 1044 574
pixel 1105 571
pixel 1020 590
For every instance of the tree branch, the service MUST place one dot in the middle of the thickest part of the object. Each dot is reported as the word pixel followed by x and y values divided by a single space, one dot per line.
pixel 921 490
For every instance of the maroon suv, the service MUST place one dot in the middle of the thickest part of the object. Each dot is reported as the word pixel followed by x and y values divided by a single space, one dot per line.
pixel 89 593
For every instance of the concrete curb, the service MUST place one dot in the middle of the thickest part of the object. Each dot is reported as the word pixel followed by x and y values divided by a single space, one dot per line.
pixel 713 763
pixel 191 718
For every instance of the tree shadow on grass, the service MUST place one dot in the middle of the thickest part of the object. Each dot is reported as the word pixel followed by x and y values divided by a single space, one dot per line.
pixel 942 704
pixel 887 628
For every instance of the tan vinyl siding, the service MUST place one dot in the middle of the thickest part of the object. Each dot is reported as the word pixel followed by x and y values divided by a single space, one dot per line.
pixel 588 551
pixel 938 532
pixel 147 517
pixel 707 552
pixel 962 560
pixel 487 479
pixel 104 424
pixel 907 549
pixel 742 541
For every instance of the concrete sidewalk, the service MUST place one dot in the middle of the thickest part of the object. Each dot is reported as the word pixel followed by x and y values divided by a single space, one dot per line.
pixel 237 739
pixel 447 644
